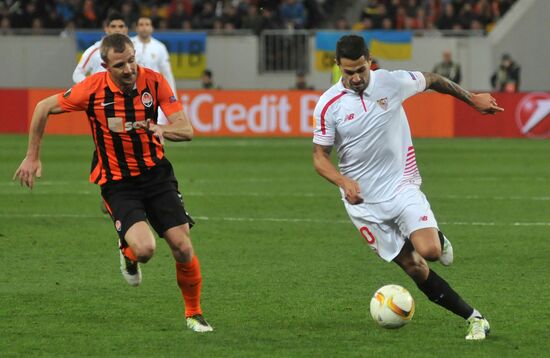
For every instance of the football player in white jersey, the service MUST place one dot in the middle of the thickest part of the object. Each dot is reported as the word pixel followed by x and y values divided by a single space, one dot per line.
pixel 91 62
pixel 363 118
pixel 152 53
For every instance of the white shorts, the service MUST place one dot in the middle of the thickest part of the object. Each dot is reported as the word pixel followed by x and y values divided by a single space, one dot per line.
pixel 386 225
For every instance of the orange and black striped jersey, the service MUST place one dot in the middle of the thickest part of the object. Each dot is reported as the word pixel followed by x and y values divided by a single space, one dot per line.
pixel 122 149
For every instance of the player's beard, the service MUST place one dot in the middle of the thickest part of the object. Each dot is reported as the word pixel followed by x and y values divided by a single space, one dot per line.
pixel 359 86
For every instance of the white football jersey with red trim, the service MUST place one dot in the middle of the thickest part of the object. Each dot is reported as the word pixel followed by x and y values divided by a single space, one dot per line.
pixel 89 64
pixel 371 133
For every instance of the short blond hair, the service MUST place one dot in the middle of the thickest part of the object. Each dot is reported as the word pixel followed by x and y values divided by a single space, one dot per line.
pixel 117 42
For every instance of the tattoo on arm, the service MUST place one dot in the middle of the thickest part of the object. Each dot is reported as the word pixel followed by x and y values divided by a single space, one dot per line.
pixel 323 148
pixel 442 85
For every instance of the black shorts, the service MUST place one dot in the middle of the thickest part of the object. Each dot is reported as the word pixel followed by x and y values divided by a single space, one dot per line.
pixel 151 196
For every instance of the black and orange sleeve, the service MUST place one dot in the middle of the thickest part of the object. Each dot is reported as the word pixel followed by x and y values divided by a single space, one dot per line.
pixel 75 98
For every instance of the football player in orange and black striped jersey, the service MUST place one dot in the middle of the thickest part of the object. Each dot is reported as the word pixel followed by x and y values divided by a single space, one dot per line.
pixel 137 181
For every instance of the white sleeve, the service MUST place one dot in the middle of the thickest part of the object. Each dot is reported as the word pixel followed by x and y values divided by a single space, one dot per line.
pixel 411 82
pixel 85 65
pixel 324 128
pixel 165 67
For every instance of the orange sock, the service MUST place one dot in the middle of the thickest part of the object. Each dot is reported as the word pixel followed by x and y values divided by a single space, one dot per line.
pixel 190 282
pixel 127 251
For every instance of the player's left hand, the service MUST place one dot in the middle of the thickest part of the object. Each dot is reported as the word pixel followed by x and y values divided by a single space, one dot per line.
pixel 485 103
pixel 157 130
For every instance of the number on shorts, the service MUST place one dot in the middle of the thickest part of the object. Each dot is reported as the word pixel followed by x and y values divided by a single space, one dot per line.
pixel 367 234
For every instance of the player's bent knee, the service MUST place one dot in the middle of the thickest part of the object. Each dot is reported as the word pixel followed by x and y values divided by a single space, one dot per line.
pixel 429 249
pixel 144 254
pixel 144 251
pixel 430 253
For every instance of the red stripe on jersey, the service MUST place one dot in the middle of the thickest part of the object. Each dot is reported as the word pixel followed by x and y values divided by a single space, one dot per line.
pixel 89 57
pixel 411 170
pixel 363 102
pixel 324 111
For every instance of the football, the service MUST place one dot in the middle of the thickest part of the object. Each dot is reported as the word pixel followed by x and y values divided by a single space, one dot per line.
pixel 392 306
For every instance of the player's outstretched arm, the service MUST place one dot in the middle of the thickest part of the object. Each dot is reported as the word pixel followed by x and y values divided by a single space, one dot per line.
pixel 482 102
pixel 325 168
pixel 31 166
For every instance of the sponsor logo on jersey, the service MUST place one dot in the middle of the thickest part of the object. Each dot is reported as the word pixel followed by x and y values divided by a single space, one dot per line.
pixel 533 115
pixel 128 126
pixel 147 99
pixel 350 116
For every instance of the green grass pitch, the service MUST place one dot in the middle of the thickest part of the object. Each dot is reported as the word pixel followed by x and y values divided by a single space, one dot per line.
pixel 285 272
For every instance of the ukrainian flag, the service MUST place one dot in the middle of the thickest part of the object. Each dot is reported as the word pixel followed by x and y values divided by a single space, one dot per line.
pixel 389 45
pixel 325 48
pixel 187 50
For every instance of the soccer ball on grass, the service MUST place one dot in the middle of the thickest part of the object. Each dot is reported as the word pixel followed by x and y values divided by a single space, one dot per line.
pixel 392 306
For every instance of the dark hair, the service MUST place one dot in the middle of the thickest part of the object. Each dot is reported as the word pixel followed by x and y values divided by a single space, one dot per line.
pixel 116 42
pixel 351 47
pixel 207 73
pixel 115 16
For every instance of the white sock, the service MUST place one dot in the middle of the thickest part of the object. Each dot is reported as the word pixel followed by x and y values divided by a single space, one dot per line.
pixel 475 313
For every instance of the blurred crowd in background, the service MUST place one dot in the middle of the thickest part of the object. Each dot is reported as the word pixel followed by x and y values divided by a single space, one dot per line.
pixel 257 15
pixel 431 14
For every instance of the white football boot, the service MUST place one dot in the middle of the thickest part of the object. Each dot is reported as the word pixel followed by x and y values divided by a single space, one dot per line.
pixel 198 324
pixel 478 328
pixel 130 270
pixel 446 257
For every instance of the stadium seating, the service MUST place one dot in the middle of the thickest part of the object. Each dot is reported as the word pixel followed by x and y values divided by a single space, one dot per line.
pixel 257 15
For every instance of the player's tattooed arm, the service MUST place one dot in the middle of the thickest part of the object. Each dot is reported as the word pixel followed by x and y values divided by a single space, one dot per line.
pixel 441 84
pixel 483 102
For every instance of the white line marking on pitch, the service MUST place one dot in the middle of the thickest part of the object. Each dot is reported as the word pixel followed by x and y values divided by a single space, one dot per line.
pixel 249 219
pixel 280 194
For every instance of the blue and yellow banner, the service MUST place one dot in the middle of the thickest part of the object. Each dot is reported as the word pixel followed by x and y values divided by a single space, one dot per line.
pixel 187 50
pixel 389 45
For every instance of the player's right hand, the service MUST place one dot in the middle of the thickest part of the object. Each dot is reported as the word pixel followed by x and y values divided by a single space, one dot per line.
pixel 352 191
pixel 27 171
